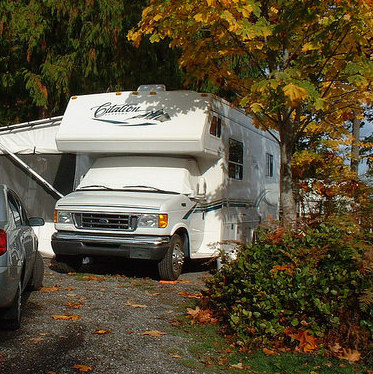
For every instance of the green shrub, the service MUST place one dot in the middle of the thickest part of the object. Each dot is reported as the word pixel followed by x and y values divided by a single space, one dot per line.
pixel 313 278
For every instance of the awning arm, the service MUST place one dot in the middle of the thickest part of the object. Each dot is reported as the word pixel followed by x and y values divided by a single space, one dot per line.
pixel 30 170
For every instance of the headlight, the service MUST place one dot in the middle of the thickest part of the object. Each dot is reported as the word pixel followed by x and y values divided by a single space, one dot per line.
pixel 153 220
pixel 63 217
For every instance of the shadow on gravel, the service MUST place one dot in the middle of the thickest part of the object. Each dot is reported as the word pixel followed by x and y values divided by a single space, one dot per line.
pixel 134 268
pixel 52 355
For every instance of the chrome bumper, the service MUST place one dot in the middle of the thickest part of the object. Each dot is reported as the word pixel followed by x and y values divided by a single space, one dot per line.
pixel 129 246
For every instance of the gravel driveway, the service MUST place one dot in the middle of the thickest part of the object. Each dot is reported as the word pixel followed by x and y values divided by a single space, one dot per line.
pixel 113 318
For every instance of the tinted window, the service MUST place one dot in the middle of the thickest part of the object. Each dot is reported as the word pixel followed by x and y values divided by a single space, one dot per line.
pixel 215 127
pixel 269 165
pixel 235 162
pixel 15 211
pixel 18 210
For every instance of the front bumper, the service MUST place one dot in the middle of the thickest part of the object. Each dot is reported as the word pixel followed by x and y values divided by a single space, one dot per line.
pixel 128 246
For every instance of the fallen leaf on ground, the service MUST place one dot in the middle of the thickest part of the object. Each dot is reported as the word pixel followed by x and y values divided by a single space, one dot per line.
pixel 190 294
pixel 93 277
pixel 74 305
pixel 154 333
pixel 101 332
pixel 207 362
pixel 36 340
pixel 336 348
pixel 238 366
pixel 350 354
pixel 201 315
pixel 307 342
pixel 73 317
pixel 222 361
pixel 153 293
pixel 82 368
pixel 224 351
pixel 168 282
pixel 268 352
pixel 49 289
pixel 175 356
pixel 128 303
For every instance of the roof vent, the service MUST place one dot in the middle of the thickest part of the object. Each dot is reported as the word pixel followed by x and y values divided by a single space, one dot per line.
pixel 152 87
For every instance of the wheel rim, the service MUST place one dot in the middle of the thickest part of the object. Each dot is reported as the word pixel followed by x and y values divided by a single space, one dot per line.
pixel 177 257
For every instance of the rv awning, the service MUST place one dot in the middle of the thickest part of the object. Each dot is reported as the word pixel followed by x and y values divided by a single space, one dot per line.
pixel 31 137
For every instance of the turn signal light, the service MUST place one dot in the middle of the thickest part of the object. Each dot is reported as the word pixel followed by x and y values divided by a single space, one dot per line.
pixel 3 242
pixel 162 221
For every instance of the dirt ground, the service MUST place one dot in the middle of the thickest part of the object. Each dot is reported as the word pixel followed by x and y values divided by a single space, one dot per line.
pixel 114 317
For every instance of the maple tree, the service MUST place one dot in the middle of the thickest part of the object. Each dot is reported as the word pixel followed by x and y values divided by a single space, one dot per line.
pixel 298 66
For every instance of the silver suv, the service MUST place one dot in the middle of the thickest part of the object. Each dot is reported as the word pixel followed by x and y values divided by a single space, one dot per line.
pixel 21 265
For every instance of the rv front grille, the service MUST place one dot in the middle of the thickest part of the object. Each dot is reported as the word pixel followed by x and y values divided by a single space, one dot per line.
pixel 110 222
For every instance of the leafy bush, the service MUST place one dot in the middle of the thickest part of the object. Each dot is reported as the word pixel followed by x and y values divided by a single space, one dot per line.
pixel 313 279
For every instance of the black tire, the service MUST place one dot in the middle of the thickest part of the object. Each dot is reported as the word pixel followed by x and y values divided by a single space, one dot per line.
pixel 67 264
pixel 171 265
pixel 36 280
pixel 11 317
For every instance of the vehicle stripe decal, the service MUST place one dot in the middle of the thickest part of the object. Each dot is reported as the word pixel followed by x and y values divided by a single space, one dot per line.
pixel 216 205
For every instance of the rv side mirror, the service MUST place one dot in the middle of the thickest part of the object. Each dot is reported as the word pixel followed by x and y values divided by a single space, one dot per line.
pixel 201 190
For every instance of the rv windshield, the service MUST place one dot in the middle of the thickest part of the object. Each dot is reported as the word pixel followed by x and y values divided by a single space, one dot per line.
pixel 146 188
pixel 142 173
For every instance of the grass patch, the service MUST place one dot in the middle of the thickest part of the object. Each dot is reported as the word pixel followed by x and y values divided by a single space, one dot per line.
pixel 212 353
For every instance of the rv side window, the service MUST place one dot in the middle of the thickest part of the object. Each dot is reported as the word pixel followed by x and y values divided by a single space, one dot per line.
pixel 215 127
pixel 235 162
pixel 269 165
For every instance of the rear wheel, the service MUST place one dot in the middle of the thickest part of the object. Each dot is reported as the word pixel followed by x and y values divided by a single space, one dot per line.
pixel 11 317
pixel 36 281
pixel 170 266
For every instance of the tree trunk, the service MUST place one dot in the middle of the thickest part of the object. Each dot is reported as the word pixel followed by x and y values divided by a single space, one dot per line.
pixel 287 200
pixel 355 149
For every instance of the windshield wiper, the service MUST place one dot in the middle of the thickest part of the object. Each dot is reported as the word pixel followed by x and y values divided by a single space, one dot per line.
pixel 99 186
pixel 147 188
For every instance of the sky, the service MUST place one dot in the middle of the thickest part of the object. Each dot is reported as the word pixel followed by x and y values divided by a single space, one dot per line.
pixel 365 131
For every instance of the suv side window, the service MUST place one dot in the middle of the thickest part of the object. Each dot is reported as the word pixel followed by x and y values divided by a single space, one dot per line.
pixel 15 211
pixel 23 212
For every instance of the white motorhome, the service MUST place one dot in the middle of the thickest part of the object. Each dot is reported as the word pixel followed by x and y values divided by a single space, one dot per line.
pixel 170 175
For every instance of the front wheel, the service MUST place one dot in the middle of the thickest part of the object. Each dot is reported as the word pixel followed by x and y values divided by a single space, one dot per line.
pixel 170 266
